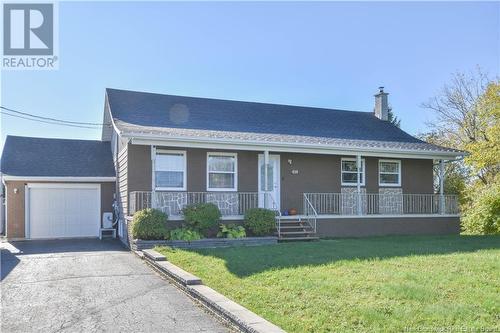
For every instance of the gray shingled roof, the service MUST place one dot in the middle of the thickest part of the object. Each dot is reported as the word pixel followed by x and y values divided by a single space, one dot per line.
pixel 41 157
pixel 148 114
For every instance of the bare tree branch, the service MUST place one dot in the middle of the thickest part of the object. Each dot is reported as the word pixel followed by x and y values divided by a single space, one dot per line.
pixel 455 108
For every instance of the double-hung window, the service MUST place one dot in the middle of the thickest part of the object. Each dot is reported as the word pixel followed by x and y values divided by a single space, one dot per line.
pixel 389 173
pixel 349 172
pixel 170 170
pixel 222 172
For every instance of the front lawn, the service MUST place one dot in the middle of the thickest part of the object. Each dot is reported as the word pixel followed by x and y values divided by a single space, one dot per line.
pixel 371 284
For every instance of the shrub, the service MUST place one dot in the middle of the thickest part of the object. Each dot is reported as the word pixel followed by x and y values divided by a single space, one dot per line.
pixel 483 214
pixel 149 224
pixel 231 231
pixel 202 216
pixel 260 221
pixel 184 234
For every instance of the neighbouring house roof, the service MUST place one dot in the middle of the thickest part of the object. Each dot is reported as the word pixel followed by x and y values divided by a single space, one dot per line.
pixel 42 157
pixel 139 114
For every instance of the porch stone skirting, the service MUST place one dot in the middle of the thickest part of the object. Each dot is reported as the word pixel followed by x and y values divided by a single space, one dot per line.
pixel 391 201
pixel 382 226
pixel 139 244
pixel 228 203
pixel 173 202
pixel 350 200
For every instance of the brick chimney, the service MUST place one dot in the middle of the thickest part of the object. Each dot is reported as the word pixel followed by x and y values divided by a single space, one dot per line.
pixel 381 109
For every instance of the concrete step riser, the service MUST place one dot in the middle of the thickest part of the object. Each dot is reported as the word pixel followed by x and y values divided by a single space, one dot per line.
pixel 297 239
pixel 297 233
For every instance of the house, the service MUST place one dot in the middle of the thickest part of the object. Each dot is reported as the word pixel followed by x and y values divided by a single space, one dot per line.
pixel 344 173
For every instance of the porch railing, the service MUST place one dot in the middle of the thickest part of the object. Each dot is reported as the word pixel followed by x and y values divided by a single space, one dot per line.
pixel 229 203
pixel 380 204
pixel 310 212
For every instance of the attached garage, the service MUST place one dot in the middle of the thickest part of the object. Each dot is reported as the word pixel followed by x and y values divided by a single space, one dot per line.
pixel 56 188
pixel 62 210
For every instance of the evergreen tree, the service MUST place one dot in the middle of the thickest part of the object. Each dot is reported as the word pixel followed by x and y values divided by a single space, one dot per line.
pixel 393 119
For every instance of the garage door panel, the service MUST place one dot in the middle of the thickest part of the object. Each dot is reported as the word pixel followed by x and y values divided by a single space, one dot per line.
pixel 71 211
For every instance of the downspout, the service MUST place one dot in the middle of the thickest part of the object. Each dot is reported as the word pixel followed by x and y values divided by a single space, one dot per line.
pixel 358 183
pixel 266 185
pixel 116 204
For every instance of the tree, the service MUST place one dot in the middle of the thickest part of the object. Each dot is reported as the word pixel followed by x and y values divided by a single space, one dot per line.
pixel 484 158
pixel 483 213
pixel 468 118
pixel 457 108
pixel 393 119
pixel 455 173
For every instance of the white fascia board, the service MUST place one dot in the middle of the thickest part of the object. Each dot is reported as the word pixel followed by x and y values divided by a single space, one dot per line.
pixel 59 179
pixel 111 117
pixel 212 143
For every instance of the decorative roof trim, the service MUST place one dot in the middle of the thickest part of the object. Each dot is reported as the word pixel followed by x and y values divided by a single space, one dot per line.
pixel 288 147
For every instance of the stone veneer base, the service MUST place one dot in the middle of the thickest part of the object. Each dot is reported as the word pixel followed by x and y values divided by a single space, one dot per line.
pixel 139 244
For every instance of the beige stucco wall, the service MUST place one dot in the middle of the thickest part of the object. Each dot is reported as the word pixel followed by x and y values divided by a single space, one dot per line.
pixel 316 173
pixel 16 205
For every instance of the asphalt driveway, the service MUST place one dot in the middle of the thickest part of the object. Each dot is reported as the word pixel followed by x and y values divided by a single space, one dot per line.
pixel 91 286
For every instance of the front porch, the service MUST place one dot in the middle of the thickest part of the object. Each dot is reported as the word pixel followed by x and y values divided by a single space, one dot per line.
pixel 353 204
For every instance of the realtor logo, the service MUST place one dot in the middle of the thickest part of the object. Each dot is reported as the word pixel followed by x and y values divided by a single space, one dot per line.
pixel 29 36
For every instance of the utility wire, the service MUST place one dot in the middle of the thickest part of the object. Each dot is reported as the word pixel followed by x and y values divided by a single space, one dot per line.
pixel 47 122
pixel 51 119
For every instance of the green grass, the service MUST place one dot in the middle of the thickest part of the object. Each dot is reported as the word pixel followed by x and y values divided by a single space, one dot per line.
pixel 362 285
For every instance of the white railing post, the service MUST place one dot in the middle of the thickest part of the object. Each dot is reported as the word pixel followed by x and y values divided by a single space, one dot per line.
pixel 358 183
pixel 441 187
pixel 153 181
pixel 266 185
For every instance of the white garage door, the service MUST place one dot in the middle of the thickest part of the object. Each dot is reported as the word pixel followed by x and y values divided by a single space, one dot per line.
pixel 63 210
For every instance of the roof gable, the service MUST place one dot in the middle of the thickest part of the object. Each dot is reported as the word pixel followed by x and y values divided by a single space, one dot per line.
pixel 42 157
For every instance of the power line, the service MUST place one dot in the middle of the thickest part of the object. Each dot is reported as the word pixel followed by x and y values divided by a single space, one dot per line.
pixel 52 119
pixel 47 122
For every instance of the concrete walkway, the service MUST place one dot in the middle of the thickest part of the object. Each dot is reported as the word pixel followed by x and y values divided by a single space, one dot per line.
pixel 91 286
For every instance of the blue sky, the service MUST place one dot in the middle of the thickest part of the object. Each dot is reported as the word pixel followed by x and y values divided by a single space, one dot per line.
pixel 317 54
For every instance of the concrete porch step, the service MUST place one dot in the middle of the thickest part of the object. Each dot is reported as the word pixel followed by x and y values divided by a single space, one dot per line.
pixel 298 239
pixel 283 222
pixel 309 232
pixel 294 227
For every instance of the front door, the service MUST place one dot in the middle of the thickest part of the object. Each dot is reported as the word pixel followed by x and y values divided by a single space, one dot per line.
pixel 273 181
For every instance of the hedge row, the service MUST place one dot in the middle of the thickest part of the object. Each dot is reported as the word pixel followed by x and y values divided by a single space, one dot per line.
pixel 200 220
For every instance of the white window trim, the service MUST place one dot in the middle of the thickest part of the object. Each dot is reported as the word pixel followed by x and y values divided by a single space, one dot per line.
pixel 229 189
pixel 363 165
pixel 184 182
pixel 391 173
